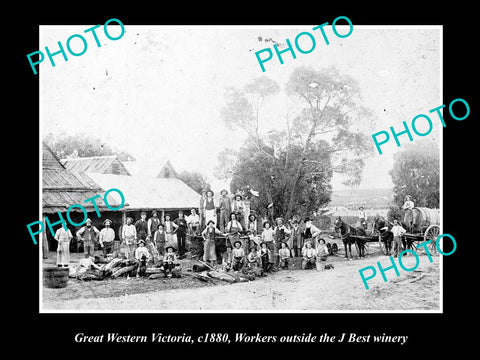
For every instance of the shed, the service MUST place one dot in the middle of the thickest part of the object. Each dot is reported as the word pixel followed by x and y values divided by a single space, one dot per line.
pixel 62 188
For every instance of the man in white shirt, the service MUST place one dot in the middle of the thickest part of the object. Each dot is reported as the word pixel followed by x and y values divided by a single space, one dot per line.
pixel 193 222
pixel 397 231
pixel 129 238
pixel 106 237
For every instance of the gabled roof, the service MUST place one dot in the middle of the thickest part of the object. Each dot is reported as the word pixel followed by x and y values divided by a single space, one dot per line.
pixel 62 188
pixel 151 168
pixel 109 164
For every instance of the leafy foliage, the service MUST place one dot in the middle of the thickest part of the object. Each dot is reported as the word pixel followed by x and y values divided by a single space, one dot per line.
pixel 292 168
pixel 416 172
pixel 82 145
pixel 195 180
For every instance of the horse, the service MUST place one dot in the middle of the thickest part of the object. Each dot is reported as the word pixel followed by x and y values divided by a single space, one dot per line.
pixel 346 231
pixel 386 236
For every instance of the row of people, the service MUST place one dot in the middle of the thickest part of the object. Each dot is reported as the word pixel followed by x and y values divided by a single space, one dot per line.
pixel 277 240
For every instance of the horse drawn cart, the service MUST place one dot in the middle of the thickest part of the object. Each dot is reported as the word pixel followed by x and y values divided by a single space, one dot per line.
pixel 422 224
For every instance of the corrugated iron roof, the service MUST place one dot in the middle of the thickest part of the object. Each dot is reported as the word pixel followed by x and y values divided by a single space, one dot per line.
pixel 150 193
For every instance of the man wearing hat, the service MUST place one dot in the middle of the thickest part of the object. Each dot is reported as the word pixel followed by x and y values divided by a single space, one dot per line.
pixel 407 205
pixel 140 252
pixel 238 208
pixel 152 224
pixel 281 235
pixel 311 231
pixel 210 210
pixel 129 237
pixel 295 241
pixel 224 204
pixel 88 234
pixel 141 226
pixel 209 234
pixel 106 237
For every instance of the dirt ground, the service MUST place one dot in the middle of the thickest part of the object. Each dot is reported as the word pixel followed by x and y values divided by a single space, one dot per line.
pixel 337 289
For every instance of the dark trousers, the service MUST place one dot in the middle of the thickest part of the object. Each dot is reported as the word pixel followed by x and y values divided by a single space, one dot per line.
pixel 107 248
pixel 181 242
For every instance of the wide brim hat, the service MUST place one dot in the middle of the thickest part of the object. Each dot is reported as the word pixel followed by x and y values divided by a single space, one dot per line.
pixel 283 242
pixel 361 208
pixel 308 242
pixel 237 241
pixel 254 216
pixel 223 191
pixel 407 197
pixel 141 242
pixel 267 222
pixel 307 219
pixel 169 247
pixel 143 213
pixel 238 195
pixel 129 217
pixel 279 218
pixel 107 220
pixel 253 247
pixel 210 221
pixel 295 221
pixel 210 190
pixel 263 242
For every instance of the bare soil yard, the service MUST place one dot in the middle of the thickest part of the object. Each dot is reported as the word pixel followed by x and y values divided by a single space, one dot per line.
pixel 336 289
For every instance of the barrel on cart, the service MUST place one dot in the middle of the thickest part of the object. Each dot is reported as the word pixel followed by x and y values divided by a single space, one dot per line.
pixel 422 224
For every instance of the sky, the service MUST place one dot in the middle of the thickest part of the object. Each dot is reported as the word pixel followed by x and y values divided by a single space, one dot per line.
pixel 157 92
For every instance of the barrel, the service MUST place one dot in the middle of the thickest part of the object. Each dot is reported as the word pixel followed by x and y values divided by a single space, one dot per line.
pixel 55 277
pixel 429 216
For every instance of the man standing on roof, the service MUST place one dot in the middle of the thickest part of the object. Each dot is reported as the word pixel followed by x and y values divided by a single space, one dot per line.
pixel 88 235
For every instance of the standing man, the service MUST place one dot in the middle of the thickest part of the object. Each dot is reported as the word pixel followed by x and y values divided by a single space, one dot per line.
pixel 141 226
pixel 210 209
pixel 63 248
pixel 201 209
pixel 181 222
pixel 238 208
pixel 281 235
pixel 311 231
pixel 106 237
pixel 153 224
pixel 129 238
pixel 397 231
pixel 88 235
pixel 224 205
pixel 295 242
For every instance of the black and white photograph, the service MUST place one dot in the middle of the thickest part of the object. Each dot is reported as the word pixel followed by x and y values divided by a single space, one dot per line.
pixel 277 179
pixel 243 184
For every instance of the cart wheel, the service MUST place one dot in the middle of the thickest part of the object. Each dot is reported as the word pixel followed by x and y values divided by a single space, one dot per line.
pixel 432 233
